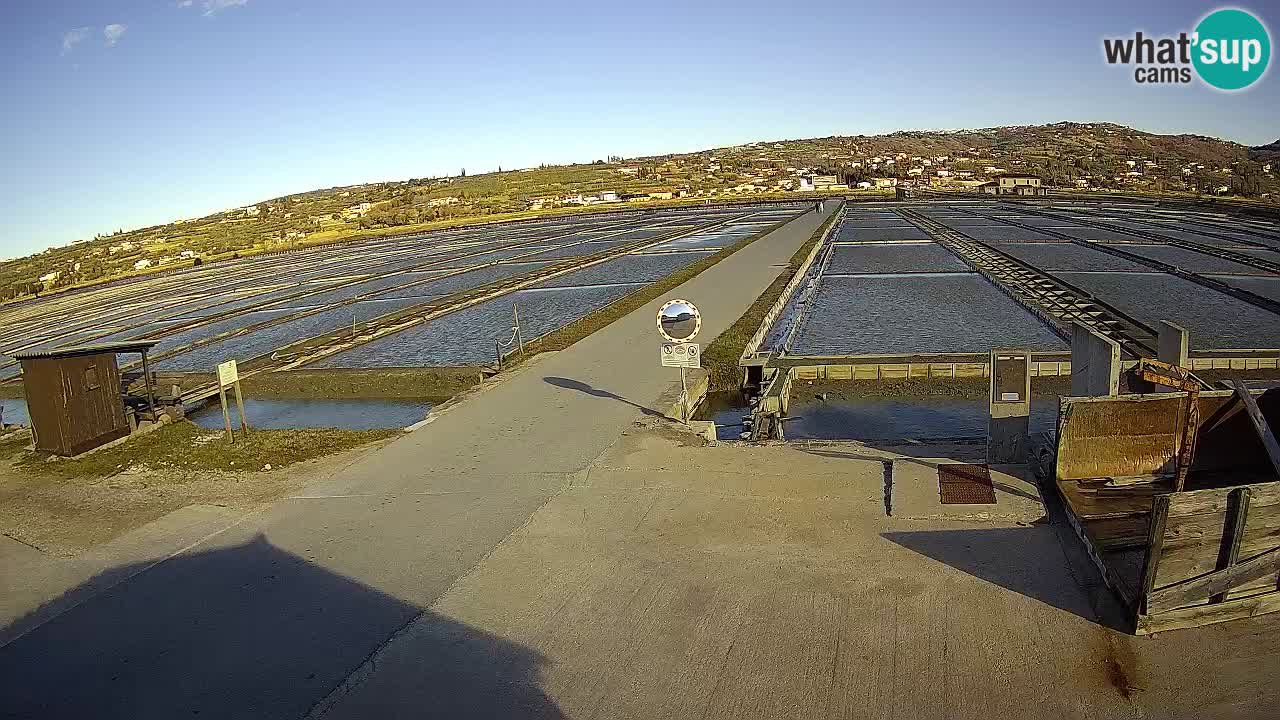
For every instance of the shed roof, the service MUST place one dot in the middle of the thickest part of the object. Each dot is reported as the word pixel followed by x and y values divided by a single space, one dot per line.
pixel 74 350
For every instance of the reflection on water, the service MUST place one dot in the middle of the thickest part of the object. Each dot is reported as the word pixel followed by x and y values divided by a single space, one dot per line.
pixel 13 411
pixel 877 419
pixel 897 419
pixel 344 414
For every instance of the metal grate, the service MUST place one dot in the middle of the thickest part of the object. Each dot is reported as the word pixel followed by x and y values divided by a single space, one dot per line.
pixel 965 484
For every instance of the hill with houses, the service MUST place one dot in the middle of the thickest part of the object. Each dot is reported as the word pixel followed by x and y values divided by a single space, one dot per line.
pixel 1086 156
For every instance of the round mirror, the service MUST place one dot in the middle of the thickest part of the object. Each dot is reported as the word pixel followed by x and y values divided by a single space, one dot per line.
pixel 679 320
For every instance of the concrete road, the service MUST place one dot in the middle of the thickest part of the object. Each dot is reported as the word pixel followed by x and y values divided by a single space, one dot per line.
pixel 268 618
pixel 769 582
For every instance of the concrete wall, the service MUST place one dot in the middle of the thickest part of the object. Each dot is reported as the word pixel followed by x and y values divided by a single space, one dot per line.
pixel 899 371
pixel 1173 343
pixel 1095 363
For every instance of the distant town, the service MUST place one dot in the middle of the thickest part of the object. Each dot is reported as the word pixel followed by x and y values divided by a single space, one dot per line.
pixel 1023 160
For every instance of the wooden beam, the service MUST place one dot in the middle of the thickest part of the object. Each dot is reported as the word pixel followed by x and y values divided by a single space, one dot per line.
pixel 1155 546
pixel 1187 446
pixel 1259 423
pixel 1218 582
pixel 1198 615
pixel 1233 532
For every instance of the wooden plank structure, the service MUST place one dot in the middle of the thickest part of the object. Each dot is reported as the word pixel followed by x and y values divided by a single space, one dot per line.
pixel 75 395
pixel 1208 553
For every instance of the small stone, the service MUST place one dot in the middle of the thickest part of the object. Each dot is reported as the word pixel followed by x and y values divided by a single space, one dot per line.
pixel 267 466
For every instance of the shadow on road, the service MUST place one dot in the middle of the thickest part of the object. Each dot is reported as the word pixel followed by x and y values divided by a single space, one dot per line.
pixel 582 387
pixel 254 631
pixel 1025 560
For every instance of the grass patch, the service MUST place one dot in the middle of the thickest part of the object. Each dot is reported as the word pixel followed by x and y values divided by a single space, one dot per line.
pixel 722 355
pixel 588 324
pixel 186 446
pixel 13 444
pixel 434 383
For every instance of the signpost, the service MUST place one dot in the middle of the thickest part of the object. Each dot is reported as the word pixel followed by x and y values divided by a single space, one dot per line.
pixel 679 321
pixel 229 376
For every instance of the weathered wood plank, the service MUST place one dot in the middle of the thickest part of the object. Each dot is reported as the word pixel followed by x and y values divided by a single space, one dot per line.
pixel 1207 614
pixel 1237 515
pixel 1214 500
pixel 1155 545
pixel 1200 588
pixel 1193 545
pixel 1259 423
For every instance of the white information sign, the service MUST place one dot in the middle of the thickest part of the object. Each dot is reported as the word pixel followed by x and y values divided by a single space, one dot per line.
pixel 681 355
pixel 227 373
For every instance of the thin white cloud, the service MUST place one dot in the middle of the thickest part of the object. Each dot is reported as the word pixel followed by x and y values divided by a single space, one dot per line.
pixel 113 32
pixel 214 6
pixel 184 3
pixel 71 37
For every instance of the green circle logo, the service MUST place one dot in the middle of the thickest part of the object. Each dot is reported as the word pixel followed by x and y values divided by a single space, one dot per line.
pixel 1232 49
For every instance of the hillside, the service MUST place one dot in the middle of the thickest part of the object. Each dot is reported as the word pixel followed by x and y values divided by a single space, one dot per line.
pixel 1092 155
pixel 1265 153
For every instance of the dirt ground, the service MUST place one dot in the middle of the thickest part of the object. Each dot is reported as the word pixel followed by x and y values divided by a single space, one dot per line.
pixel 49 506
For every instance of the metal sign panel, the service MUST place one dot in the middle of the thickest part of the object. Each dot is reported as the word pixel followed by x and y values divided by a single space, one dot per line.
pixel 227 373
pixel 681 355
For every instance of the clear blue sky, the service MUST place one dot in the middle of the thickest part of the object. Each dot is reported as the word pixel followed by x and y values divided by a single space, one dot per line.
pixel 124 113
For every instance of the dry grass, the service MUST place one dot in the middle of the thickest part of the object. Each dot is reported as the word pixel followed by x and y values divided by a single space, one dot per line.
pixel 63 507
pixel 184 446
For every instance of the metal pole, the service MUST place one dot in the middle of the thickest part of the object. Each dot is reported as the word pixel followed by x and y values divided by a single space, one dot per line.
pixel 497 350
pixel 684 399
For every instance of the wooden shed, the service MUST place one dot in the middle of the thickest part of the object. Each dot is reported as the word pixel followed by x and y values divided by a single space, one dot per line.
pixel 75 396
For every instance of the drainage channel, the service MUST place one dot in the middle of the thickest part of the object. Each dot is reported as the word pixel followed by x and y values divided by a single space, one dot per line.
pixel 1054 301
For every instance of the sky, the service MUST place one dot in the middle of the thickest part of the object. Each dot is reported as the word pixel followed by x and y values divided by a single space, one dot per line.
pixel 120 114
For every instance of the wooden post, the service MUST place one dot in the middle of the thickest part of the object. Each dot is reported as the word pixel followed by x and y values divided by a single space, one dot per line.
pixel 1155 546
pixel 1237 516
pixel 515 311
pixel 244 423
pixel 146 376
pixel 226 416
pixel 1259 423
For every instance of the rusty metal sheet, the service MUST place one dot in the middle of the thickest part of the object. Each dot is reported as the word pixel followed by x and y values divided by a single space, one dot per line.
pixel 965 484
